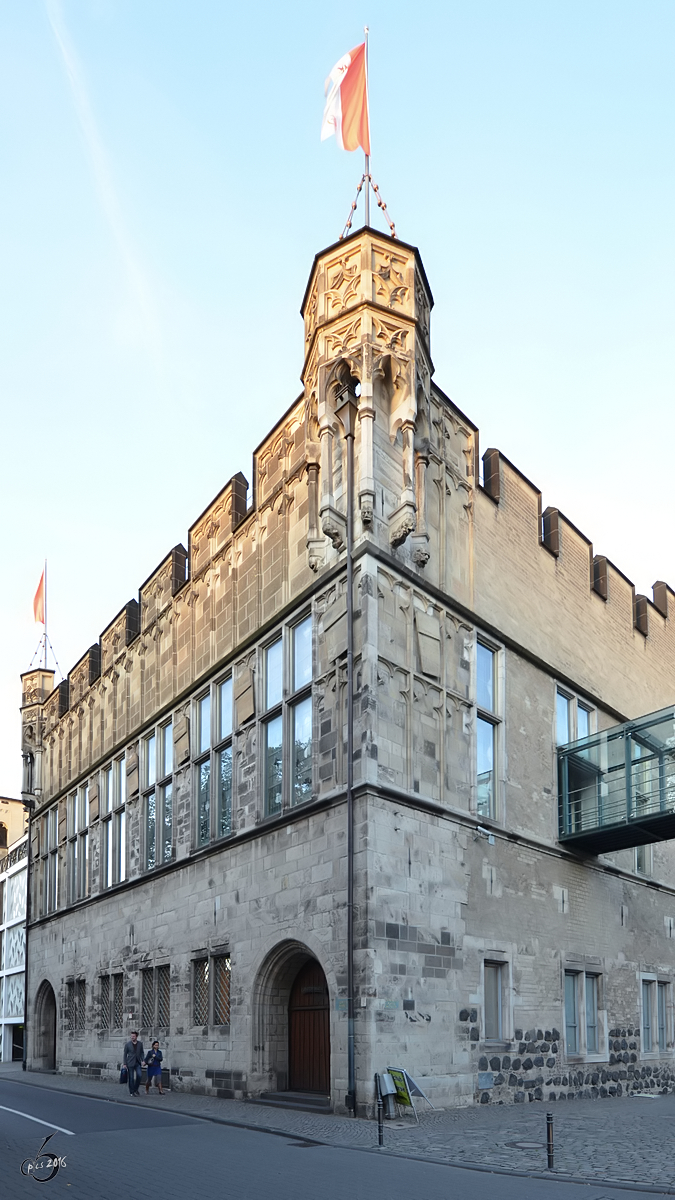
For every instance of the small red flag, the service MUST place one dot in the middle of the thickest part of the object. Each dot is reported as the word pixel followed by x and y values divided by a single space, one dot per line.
pixel 39 602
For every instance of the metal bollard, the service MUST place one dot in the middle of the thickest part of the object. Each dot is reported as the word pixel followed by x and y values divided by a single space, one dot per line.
pixel 549 1140
pixel 380 1112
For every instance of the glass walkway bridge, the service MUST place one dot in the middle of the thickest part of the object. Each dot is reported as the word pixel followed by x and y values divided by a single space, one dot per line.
pixel 617 788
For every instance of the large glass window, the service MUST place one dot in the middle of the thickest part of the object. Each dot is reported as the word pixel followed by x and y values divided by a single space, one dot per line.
pixel 487 729
pixel 582 1032
pixel 48 890
pixel 78 844
pixel 573 719
pixel 224 759
pixel 158 796
pixel 114 825
pixel 288 725
pixel 213 768
pixel 204 769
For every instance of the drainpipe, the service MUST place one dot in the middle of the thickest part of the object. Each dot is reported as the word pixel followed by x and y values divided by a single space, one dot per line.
pixel 346 410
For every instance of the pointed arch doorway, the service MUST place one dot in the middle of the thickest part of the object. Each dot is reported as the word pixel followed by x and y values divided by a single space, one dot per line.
pixel 45 1028
pixel 309 1032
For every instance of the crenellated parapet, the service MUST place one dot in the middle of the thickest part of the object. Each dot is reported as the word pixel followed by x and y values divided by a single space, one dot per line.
pixel 537 577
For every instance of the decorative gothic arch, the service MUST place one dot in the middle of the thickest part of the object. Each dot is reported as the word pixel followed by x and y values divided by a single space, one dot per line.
pixel 272 991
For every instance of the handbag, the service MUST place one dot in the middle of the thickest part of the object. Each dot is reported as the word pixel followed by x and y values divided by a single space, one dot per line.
pixel 124 1075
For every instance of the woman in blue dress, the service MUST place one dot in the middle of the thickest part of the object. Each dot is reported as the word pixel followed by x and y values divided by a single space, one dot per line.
pixel 153 1062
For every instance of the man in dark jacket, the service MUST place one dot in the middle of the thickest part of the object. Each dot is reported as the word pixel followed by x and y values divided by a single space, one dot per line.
pixel 133 1061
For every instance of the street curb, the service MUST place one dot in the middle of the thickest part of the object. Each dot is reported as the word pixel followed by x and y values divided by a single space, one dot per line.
pixel 624 1185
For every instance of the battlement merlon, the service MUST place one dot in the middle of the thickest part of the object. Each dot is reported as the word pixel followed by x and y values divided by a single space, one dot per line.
pixel 538 580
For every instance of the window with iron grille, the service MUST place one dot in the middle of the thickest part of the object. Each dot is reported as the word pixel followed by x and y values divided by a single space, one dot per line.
pixel 163 996
pixel 148 998
pixel 221 990
pixel 105 1002
pixel 201 991
pixel 80 1003
pixel 70 1005
pixel 118 1001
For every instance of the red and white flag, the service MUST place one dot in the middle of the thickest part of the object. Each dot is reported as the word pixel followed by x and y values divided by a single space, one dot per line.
pixel 39 602
pixel 346 111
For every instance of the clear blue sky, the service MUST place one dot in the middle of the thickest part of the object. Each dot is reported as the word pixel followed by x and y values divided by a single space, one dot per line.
pixel 164 191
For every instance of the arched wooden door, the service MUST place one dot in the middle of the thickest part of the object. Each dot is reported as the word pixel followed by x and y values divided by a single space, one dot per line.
pixel 308 1032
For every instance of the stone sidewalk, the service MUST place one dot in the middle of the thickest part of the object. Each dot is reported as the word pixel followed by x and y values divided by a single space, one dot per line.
pixel 611 1141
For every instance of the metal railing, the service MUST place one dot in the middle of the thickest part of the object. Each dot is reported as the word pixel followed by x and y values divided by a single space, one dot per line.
pixel 16 855
pixel 621 777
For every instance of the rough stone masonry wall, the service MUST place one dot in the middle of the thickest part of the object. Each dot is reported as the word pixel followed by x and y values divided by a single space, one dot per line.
pixel 536 1069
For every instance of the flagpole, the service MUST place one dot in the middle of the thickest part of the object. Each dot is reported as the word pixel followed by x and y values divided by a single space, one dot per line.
pixel 45 601
pixel 367 156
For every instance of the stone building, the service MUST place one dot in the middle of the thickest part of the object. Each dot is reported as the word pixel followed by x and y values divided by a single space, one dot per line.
pixel 513 931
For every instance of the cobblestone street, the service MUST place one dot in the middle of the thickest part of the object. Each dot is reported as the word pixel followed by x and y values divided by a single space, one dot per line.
pixel 613 1140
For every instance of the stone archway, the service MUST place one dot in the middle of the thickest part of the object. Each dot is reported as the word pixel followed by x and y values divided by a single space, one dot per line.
pixel 276 1001
pixel 44 1039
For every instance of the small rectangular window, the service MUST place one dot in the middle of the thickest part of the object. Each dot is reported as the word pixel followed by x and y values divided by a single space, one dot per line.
pixel 583 722
pixel 204 801
pixel 118 1001
pixel 273 765
pixel 662 997
pixel 571 1013
pixel 121 781
pixel 166 751
pixel 273 674
pixel 221 990
pixel 493 1001
pixel 121 846
pixel 80 1004
pixel 591 1014
pixel 107 798
pixel 148 998
pixel 105 1001
pixel 225 791
pixel 71 1012
pixel 204 722
pixel 485 750
pixel 165 848
pixel 201 992
pixel 225 709
pixel 302 654
pixel 643 860
pixel 150 831
pixel 150 761
pixel 302 750
pixel 164 997
pixel 647 1039
pixel 562 714
pixel 485 677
